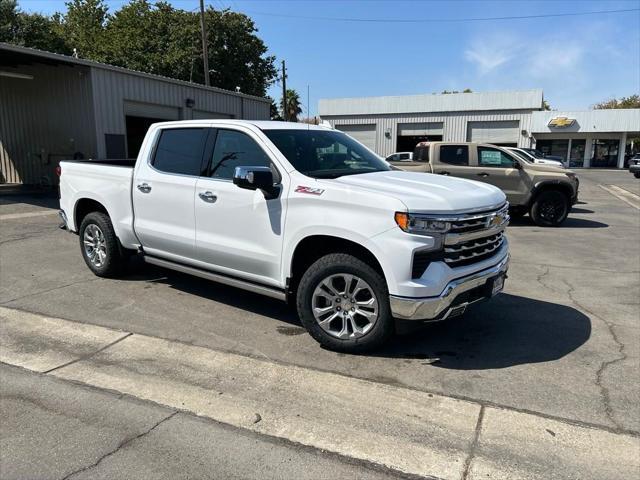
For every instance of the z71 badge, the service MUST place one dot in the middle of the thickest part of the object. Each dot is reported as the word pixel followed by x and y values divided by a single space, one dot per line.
pixel 309 190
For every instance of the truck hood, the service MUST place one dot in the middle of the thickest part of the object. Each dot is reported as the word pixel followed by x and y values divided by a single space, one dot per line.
pixel 429 193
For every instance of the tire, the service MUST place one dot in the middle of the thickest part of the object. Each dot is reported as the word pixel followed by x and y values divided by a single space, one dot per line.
pixel 101 252
pixel 372 319
pixel 550 208
pixel 636 174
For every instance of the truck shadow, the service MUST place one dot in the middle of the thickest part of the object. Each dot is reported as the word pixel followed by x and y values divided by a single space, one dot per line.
pixel 570 222
pixel 510 330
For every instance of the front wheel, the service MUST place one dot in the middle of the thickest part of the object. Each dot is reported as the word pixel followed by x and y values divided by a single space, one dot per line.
pixel 344 304
pixel 550 208
pixel 636 174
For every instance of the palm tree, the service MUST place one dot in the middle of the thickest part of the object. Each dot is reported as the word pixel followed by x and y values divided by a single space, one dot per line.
pixel 292 107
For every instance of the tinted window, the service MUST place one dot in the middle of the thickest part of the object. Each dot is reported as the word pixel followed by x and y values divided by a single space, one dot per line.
pixel 235 149
pixel 405 157
pixel 454 154
pixel 421 154
pixel 325 153
pixel 179 150
pixel 490 157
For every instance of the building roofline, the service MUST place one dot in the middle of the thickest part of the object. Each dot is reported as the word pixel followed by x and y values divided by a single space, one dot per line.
pixel 473 101
pixel 105 66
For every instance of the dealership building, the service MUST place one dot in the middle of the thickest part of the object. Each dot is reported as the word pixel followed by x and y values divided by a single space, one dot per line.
pixel 55 107
pixel 593 138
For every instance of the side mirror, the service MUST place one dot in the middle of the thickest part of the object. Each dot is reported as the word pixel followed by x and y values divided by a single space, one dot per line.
pixel 256 178
pixel 517 165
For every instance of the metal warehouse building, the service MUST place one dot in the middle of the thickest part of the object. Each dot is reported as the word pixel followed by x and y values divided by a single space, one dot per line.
pixel 599 138
pixel 54 107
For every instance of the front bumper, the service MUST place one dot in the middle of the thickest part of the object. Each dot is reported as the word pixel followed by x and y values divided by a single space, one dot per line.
pixel 453 299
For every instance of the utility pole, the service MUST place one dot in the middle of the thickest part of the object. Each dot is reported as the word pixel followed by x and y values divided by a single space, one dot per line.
pixel 285 113
pixel 205 54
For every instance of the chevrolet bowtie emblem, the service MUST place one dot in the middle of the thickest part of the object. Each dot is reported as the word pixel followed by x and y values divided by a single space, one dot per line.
pixel 561 122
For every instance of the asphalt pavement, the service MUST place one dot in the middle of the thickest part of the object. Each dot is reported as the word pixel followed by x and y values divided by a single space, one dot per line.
pixel 561 344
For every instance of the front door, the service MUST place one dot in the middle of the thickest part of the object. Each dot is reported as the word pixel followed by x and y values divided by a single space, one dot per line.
pixel 238 231
pixel 163 193
pixel 499 169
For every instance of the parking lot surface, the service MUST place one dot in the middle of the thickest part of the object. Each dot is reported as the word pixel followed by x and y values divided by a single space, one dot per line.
pixel 561 344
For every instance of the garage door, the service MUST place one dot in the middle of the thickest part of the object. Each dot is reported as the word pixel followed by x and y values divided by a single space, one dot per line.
pixel 365 134
pixel 494 132
pixel 420 129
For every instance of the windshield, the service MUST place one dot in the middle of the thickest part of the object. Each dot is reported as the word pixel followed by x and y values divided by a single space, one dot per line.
pixel 521 155
pixel 325 154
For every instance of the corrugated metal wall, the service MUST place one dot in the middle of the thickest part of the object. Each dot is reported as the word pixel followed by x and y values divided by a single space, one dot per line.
pixel 454 125
pixel 44 120
pixel 111 88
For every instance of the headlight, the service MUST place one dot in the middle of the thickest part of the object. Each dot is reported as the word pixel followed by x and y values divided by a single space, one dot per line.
pixel 420 225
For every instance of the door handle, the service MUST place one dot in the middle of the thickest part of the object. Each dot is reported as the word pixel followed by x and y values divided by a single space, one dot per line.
pixel 144 187
pixel 208 196
pixel 483 174
pixel 444 173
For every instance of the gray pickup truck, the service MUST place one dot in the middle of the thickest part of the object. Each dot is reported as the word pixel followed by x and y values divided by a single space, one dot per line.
pixel 545 192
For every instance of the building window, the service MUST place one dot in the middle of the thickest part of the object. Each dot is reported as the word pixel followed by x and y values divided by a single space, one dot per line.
pixel 576 157
pixel 555 148
pixel 605 153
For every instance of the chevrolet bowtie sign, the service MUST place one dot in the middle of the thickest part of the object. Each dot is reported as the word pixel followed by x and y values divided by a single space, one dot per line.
pixel 561 122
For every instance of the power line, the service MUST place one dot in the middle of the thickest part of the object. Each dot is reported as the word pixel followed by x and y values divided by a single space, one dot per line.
pixel 437 20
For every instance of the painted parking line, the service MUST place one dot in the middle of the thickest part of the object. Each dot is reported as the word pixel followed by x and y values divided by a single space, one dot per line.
pixel 625 195
pixel 12 216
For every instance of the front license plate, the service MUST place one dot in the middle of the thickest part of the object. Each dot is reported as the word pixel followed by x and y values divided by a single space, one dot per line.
pixel 497 285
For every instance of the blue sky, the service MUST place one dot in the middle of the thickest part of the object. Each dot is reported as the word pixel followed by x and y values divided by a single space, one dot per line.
pixel 576 60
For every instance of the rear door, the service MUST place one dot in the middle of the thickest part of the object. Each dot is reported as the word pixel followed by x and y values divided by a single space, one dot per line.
pixel 454 160
pixel 498 168
pixel 163 192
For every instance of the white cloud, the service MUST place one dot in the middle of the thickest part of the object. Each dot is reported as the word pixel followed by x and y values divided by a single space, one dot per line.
pixel 489 53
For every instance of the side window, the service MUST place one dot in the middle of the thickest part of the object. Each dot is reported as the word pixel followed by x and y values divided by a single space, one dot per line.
pixel 454 154
pixel 421 154
pixel 235 149
pixel 179 150
pixel 490 157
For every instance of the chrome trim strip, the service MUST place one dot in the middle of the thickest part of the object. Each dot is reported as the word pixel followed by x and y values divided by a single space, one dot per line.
pixel 428 308
pixel 467 257
pixel 464 216
pixel 233 282
pixel 457 238
pixel 499 236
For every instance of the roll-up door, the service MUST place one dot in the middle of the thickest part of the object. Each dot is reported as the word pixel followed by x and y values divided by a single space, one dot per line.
pixel 497 132
pixel 420 129
pixel 365 134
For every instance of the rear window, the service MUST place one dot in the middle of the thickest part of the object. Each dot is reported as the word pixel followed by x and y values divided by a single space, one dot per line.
pixel 454 154
pixel 179 150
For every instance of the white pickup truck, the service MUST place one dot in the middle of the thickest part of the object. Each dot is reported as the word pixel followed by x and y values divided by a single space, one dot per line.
pixel 296 212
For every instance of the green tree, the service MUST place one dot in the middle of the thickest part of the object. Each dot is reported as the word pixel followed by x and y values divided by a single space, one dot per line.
pixel 83 27
pixel 632 101
pixel 545 105
pixel 292 106
pixel 8 21
pixel 466 90
pixel 274 113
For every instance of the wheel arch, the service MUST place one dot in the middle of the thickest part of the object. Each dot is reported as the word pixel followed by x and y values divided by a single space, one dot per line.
pixel 555 185
pixel 312 247
pixel 85 206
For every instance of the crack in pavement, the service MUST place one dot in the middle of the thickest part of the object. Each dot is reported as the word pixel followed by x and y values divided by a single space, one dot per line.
pixel 604 391
pixel 474 445
pixel 120 446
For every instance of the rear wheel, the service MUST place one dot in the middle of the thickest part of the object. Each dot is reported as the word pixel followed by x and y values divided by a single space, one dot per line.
pixel 550 208
pixel 636 174
pixel 100 247
pixel 344 304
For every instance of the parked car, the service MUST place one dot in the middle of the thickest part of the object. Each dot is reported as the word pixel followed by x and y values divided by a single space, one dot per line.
pixel 530 158
pixel 542 156
pixel 295 212
pixel 634 165
pixel 544 191
pixel 400 157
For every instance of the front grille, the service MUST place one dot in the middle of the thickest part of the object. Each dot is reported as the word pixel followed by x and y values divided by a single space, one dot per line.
pixel 468 240
pixel 472 251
